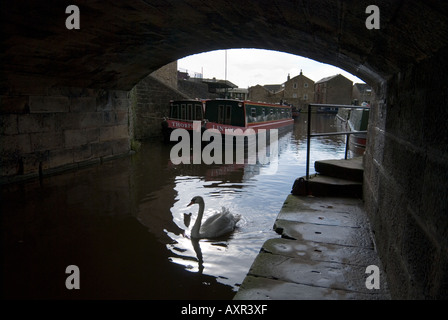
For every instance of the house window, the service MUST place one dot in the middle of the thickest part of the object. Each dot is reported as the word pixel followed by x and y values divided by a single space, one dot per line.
pixel 305 85
pixel 305 97
pixel 294 95
pixel 295 85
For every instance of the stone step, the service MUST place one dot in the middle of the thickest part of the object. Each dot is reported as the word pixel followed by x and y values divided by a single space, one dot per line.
pixel 325 186
pixel 349 169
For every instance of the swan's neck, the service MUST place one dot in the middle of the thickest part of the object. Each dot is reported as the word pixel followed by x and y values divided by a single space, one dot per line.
pixel 197 223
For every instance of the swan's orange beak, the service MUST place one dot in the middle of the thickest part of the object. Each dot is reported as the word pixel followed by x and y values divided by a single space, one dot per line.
pixel 190 203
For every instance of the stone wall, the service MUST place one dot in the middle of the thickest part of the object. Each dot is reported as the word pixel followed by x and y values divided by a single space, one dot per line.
pixel 64 129
pixel 167 74
pixel 68 128
pixel 150 103
pixel 406 179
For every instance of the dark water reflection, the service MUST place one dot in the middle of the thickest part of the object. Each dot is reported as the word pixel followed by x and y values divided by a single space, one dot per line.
pixel 126 226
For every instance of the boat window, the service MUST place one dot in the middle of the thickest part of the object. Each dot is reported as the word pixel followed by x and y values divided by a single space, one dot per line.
pixel 228 117
pixel 253 113
pixel 198 114
pixel 189 112
pixel 221 114
pixel 182 111
pixel 175 111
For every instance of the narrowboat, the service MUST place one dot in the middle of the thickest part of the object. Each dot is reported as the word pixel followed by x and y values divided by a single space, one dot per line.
pixel 182 113
pixel 295 112
pixel 358 121
pixel 226 116
pixel 355 120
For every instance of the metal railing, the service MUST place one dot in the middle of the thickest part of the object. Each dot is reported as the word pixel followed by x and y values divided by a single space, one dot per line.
pixel 309 134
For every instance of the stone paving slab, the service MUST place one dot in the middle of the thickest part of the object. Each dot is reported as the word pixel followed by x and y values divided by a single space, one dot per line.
pixel 257 288
pixel 324 251
pixel 310 272
pixel 334 211
pixel 323 233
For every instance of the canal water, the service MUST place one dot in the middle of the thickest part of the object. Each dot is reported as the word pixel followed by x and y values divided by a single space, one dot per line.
pixel 125 223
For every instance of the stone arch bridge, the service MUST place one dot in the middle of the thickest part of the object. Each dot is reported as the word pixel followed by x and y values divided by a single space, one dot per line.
pixel 65 95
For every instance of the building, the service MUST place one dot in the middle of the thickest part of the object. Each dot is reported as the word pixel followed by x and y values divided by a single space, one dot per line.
pixel 260 93
pixel 220 87
pixel 362 92
pixel 298 91
pixel 200 88
pixel 273 88
pixel 335 89
pixel 237 93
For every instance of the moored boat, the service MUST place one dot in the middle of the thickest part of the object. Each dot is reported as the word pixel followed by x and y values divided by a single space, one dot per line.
pixel 181 116
pixel 358 121
pixel 295 112
pixel 355 119
pixel 226 116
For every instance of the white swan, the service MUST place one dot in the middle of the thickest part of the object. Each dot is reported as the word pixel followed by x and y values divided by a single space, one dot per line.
pixel 215 226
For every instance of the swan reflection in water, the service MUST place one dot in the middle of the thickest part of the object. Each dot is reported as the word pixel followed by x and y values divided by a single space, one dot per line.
pixel 221 242
pixel 197 249
pixel 195 243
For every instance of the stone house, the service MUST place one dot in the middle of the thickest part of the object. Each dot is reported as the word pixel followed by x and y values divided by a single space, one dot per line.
pixel 335 89
pixel 260 93
pixel 362 92
pixel 298 91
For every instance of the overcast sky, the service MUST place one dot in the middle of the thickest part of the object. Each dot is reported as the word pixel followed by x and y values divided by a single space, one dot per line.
pixel 249 67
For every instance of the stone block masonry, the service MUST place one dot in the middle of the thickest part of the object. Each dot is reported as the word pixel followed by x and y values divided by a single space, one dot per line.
pixel 406 179
pixel 65 129
pixel 151 102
